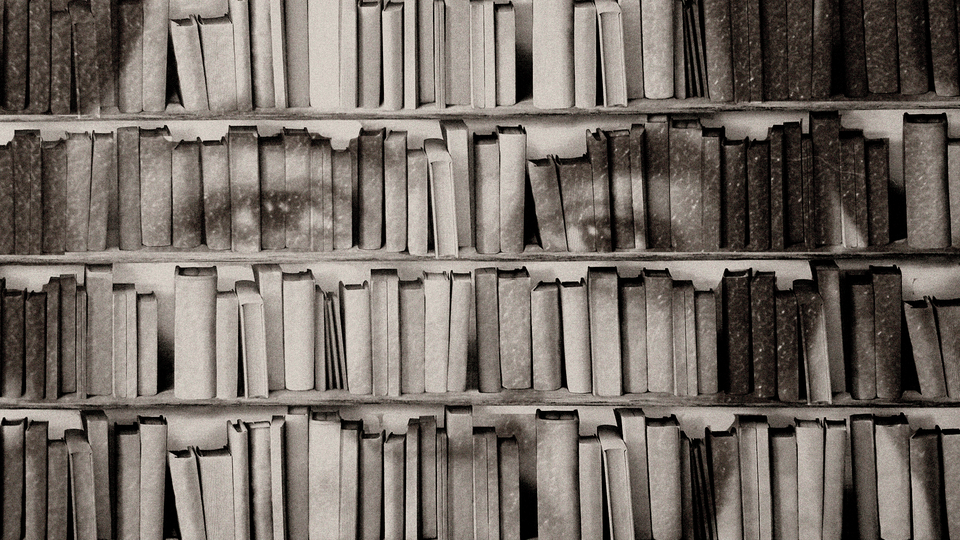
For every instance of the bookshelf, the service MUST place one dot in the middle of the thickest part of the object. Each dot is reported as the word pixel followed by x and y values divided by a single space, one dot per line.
pixel 199 422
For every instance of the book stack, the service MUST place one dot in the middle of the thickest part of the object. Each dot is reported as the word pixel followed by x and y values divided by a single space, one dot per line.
pixel 96 338
pixel 666 184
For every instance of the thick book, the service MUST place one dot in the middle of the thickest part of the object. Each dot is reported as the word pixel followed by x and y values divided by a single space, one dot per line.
pixel 77 208
pixel 355 306
pixel 412 331
pixel 153 470
pixel 294 441
pixel 37 92
pixel 129 31
pixel 835 451
pixel 13 342
pixel 417 202
pixel 99 344
pixel 215 468
pixel 783 482
pixel 195 352
pixel 545 317
pixel 35 344
pixel 685 192
pixel 553 50
pixel 604 317
pixel 370 178
pixel 706 314
pixel 888 320
pixel 514 303
pixel 811 483
pixel 925 483
pixel 83 493
pixel 185 479
pixel 459 467
pixel 925 180
pixel 54 194
pixel 633 425
pixel 61 62
pixel 186 195
pixel 591 487
pixel 800 49
pixel 546 199
pixel 253 340
pixel 663 451
pixel 575 319
pixel 28 228
pixel 826 276
pixel 657 18
pixel 763 333
pixel 147 367
pixel 244 172
pixel 219 63
pixel 486 162
pixel 127 473
pixel 513 172
pixel 633 335
pixel 576 193
pixel 185 36
pixel 892 436
pixel 323 482
pixel 323 35
pixel 35 480
pixel 273 192
pixel 632 17
pixel 85 69
pixel 788 346
pixel 156 197
pixel 269 280
pixel 344 195
pixel 58 489
pixel 733 193
pixel 612 53
pixel 912 42
pixel 558 499
pixel 853 188
pixel 774 40
pixel 13 434
pixel 864 468
pixel 296 196
pixel 298 330
pixel 925 341
pixel 813 342
pixel 725 465
pixel 854 48
pixel 385 331
pixel 759 196
pixel 658 179
pixel 461 295
pixel 262 62
pixel 369 49
pixel 718 44
pixel 860 334
pixel 735 332
pixel 443 204
pixel 436 317
pixel 881 52
pixel 155 38
pixel 711 167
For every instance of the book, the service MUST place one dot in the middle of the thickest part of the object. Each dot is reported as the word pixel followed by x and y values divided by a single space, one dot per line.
pixel 813 342
pixel 68 334
pixel 882 59
pixel 442 199
pixel 657 18
pixel 393 485
pixel 604 317
pixel 912 39
pixel 253 341
pixel 78 181
pixel 810 485
pixel 409 481
pixel 417 202
pixel 350 433
pixel 513 148
pixel 153 467
pixel 432 464
pixel 155 32
pixel 25 150
pixel 925 483
pixel 712 173
pixel 718 47
pixel 261 479
pixel 324 474
pixel 370 176
pixel 50 354
pixel 227 347
pixel 759 196
pixel 61 51
pixel 591 486
pixel 706 315
pixel 459 467
pixel 633 426
pixel 296 52
pixel 185 479
pixel 298 330
pixel 54 190
pixel 514 302
pixel 457 140
pixel 13 342
pixel 99 344
pixel 888 297
pixel 80 320
pixel 685 191
pixel 585 54
pixel 262 63
pixel 436 317
pixel 508 454
pixel 864 465
pixel 853 188
pixel 621 189
pixel 663 451
pixel 238 438
pixel 156 197
pixel 269 280
pixel 185 36
pixel 892 439
pixel 344 178
pixel 725 465
pixel 385 331
pixel 486 160
pixel 321 194
pixel 186 195
pixel 57 488
pixel 826 276
pixel 395 189
pixel 774 40
pixel 800 53
pixel 763 333
pixel 127 438
pixel 574 317
pixel 735 331
pixel 733 192
pixel 612 53
pixel 125 361
pixel 553 49
pixel 924 338
pixel 546 349
pixel 412 332
pixel 129 33
pixel 784 482
pixel 35 344
pixel 147 367
pixel 273 192
pixel 617 479
pixel 658 289
pixel 355 305
pixel 296 199
pixel 215 468
pixel 86 71
pixel 787 343
pixel 13 434
pixel 949 441
pixel 195 353
pixel 925 180
pixel 294 440
pixel 796 220
pixel 82 489
pixel 323 34
pixel 368 55
pixel 37 93
pixel 558 499
pixel 546 198
pixel 323 357
pixel 461 296
pixel 834 466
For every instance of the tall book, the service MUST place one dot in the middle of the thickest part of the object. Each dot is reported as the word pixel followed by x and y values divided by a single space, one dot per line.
pixel 663 453
pixel 513 160
pixel 882 58
pixel 442 199
pixel 486 159
pixel 604 316
pixel 513 297
pixel 553 50
pixel 633 426
pixel 927 355
pixel 355 305
pixel 575 318
pixel 153 467
pixel 195 352
pixel 185 36
pixel 813 342
pixel 185 480
pixel 925 180
pixel 253 340
pixel 558 499
pixel 892 436
pixel 459 471
pixel 298 330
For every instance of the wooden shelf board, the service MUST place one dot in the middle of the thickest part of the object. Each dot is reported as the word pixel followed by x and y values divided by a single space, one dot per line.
pixel 522 109
pixel 557 398
pixel 532 254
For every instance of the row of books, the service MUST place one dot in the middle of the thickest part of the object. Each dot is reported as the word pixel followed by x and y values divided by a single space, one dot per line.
pixel 664 184
pixel 607 335
pixel 310 474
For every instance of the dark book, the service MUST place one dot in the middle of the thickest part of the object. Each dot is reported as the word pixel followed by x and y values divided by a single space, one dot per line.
pixel 102 231
pixel 725 466
pixel 621 189
pixel 57 489
pixel 881 52
pixel 35 481
pixel 825 135
pixel 740 49
pixel 13 342
pixel 686 190
pixel 950 440
pixel 826 32
pixel 61 62
pixel 242 153
pixel 835 449
pixel 128 188
pixel 925 342
pixel 638 142
pixel 15 69
pixel 412 336
pixel 813 342
pixel 488 329
pixel 755 49
pixel 12 433
pixel 788 347
pixel 794 218
pixel 82 491
pixel 54 190
pixel 763 329
pixel 854 48
pixel 344 201
pixel 321 194
pixel 215 175
pixel 853 189
pixel 273 194
pixel 717 40
pixel 51 335
pixel 705 303
pixel 545 188
pixel 925 180
pixel 85 68
pixel 105 20
pixel 513 295
pixel 758 196
pixel 429 464
pixel 370 188
pixel 38 90
pixel 558 496
pixel 733 194
pixel 945 312
pixel 711 168
pixel 860 334
pixel 156 199
pixel 658 182
pixel 658 288
pixel 546 353
pixel 864 464
pixel 912 39
pixel 68 334
pixel 943 47
pixel 35 346
pixel 799 49
pixel 576 194
pixel 296 143
pixel 27 165
pixel 734 332
pixel 925 483
pixel 602 289
pixel 633 335
pixel 684 339
pixel 777 188
pixel 186 195
pixel 810 210
pixel 459 466
pixel 826 276
pixel 598 155
pixel 79 163
pixel 96 427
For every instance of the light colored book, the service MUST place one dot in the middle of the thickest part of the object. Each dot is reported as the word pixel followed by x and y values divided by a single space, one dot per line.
pixel 553 49
pixel 194 341
pixel 253 339
pixel 297 52
pixel 442 198
pixel 393 55
pixel 585 54
pixel 349 98
pixel 411 64
pixel 369 66
pixel 269 280
pixel 219 63
pixel 505 45
pixel 185 35
pixel 612 53
pixel 278 25
pixel 324 39
pixel 298 330
pixel 240 17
